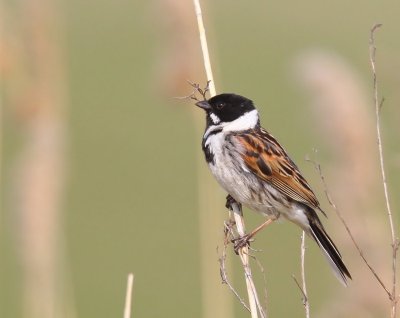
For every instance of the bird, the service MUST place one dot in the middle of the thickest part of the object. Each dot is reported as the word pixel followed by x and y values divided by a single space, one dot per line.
pixel 256 171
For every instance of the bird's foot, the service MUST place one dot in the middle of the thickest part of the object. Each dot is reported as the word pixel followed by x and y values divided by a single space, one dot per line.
pixel 241 242
pixel 230 201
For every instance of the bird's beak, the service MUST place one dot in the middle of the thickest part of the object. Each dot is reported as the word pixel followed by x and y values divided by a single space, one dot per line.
pixel 203 104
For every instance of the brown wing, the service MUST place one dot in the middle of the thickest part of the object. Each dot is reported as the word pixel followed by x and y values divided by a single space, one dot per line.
pixel 265 157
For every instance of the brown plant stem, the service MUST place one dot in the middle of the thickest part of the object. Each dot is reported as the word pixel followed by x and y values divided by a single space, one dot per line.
pixel 339 214
pixel 223 271
pixel 378 106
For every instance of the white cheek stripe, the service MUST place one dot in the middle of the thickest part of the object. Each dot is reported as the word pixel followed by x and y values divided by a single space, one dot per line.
pixel 215 118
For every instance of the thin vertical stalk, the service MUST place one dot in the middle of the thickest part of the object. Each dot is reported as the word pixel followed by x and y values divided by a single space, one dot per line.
pixel 255 306
pixel 303 274
pixel 378 106
pixel 128 297
pixel 204 47
pixel 243 253
pixel 216 303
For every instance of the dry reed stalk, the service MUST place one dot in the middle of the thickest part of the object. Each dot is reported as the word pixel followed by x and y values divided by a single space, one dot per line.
pixel 222 264
pixel 204 48
pixel 177 67
pixel 36 90
pixel 128 297
pixel 303 274
pixel 303 286
pixel 342 110
pixel 255 306
pixel 378 105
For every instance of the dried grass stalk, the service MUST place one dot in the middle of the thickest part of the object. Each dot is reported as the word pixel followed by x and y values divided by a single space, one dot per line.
pixel 243 252
pixel 128 296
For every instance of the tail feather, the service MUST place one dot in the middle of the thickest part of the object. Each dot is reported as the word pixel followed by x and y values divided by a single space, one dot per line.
pixel 331 252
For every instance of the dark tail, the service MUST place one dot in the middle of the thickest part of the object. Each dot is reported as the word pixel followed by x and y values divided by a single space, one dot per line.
pixel 318 233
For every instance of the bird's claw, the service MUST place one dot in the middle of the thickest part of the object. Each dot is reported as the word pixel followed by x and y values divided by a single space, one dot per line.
pixel 229 202
pixel 241 242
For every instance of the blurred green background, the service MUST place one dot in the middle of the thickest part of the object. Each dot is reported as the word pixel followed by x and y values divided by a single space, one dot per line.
pixel 130 198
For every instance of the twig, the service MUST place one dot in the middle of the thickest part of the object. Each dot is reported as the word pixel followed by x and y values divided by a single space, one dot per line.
pixel 224 276
pixel 128 297
pixel 305 299
pixel 255 305
pixel 243 252
pixel 378 106
pixel 229 235
pixel 196 89
pixel 303 286
pixel 262 270
pixel 339 214
pixel 303 274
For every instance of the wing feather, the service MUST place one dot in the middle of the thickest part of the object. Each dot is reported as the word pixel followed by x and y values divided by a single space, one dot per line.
pixel 266 158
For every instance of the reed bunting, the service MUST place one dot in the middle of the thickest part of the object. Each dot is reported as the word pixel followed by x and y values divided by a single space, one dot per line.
pixel 256 171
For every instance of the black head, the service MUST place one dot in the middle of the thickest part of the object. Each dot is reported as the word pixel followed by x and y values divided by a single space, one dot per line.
pixel 226 107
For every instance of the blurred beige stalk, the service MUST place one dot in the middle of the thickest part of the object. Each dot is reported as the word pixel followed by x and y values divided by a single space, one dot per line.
pixel 36 91
pixel 181 63
pixel 344 115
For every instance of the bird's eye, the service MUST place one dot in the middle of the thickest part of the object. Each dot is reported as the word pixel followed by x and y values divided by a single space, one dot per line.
pixel 220 105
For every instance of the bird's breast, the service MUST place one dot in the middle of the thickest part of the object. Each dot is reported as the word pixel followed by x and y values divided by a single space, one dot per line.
pixel 226 164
